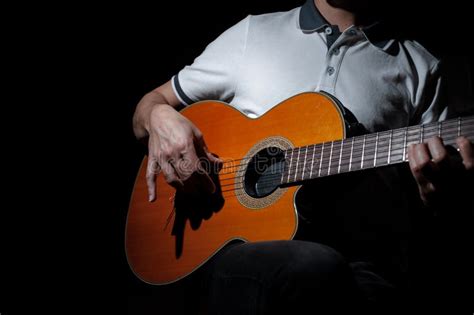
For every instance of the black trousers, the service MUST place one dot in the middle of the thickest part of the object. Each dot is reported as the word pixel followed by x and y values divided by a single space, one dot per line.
pixel 291 277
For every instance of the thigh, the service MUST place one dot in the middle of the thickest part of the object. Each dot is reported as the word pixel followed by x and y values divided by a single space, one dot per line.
pixel 262 277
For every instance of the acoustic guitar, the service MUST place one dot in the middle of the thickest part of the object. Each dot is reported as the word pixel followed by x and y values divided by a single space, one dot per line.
pixel 265 161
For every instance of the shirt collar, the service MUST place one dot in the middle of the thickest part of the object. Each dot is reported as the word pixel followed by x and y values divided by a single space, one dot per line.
pixel 311 20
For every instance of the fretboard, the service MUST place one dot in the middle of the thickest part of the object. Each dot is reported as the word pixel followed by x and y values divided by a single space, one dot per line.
pixel 368 151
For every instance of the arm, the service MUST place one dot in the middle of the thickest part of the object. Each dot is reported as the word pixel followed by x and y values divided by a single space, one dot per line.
pixel 440 175
pixel 161 96
pixel 175 145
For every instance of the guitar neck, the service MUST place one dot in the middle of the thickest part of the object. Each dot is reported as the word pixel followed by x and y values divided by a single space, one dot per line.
pixel 368 151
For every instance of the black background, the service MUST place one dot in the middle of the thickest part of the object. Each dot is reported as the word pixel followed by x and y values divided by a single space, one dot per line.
pixel 78 71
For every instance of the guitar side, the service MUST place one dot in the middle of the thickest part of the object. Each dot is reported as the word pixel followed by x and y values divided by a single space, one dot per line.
pixel 162 248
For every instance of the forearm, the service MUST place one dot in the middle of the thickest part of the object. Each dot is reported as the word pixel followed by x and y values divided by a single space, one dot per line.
pixel 143 111
pixel 161 96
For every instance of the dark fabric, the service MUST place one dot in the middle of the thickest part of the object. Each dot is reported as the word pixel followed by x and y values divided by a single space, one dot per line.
pixel 291 277
pixel 365 245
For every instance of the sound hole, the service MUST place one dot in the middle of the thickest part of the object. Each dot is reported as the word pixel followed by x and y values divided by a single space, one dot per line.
pixel 264 171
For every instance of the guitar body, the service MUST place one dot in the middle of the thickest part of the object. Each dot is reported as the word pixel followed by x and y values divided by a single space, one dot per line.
pixel 165 244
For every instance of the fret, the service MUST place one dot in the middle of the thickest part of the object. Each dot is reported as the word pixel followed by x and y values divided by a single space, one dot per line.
pixel 381 149
pixel 369 152
pixel 297 163
pixel 413 136
pixel 389 147
pixel 385 148
pixel 397 147
pixel 335 157
pixel 312 162
pixel 430 131
pixel 317 159
pixel 321 160
pixel 304 164
pixel 363 152
pixel 344 159
pixel 376 146
pixel 352 151
pixel 325 159
pixel 405 145
pixel 459 126
pixel 283 173
pixel 290 166
pixel 357 153
pixel 340 157
pixel 330 158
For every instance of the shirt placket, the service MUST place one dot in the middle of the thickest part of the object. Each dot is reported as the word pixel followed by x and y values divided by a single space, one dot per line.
pixel 337 48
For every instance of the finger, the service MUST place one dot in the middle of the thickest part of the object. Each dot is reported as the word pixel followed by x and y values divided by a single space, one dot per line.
pixel 152 169
pixel 422 169
pixel 203 179
pixel 202 149
pixel 419 160
pixel 437 151
pixel 216 163
pixel 169 172
pixel 467 152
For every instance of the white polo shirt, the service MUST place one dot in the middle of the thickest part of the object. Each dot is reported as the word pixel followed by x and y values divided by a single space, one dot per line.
pixel 263 60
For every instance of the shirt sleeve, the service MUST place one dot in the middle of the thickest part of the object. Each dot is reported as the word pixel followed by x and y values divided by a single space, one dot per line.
pixel 430 100
pixel 213 75
pixel 447 92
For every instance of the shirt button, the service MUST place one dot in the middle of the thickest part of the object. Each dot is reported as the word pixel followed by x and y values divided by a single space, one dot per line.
pixel 330 70
pixel 328 30
pixel 352 32
pixel 335 51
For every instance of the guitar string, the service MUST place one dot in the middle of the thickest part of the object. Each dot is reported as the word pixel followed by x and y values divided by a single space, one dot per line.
pixel 371 139
pixel 434 126
pixel 354 162
pixel 342 165
pixel 369 153
pixel 278 175
pixel 230 192
pixel 384 147
pixel 397 158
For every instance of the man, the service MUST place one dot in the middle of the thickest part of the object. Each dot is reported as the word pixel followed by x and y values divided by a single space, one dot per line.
pixel 331 46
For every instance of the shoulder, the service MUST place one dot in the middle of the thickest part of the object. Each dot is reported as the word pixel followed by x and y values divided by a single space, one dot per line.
pixel 275 21
pixel 419 55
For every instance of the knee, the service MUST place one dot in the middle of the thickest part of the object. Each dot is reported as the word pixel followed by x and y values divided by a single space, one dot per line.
pixel 316 265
